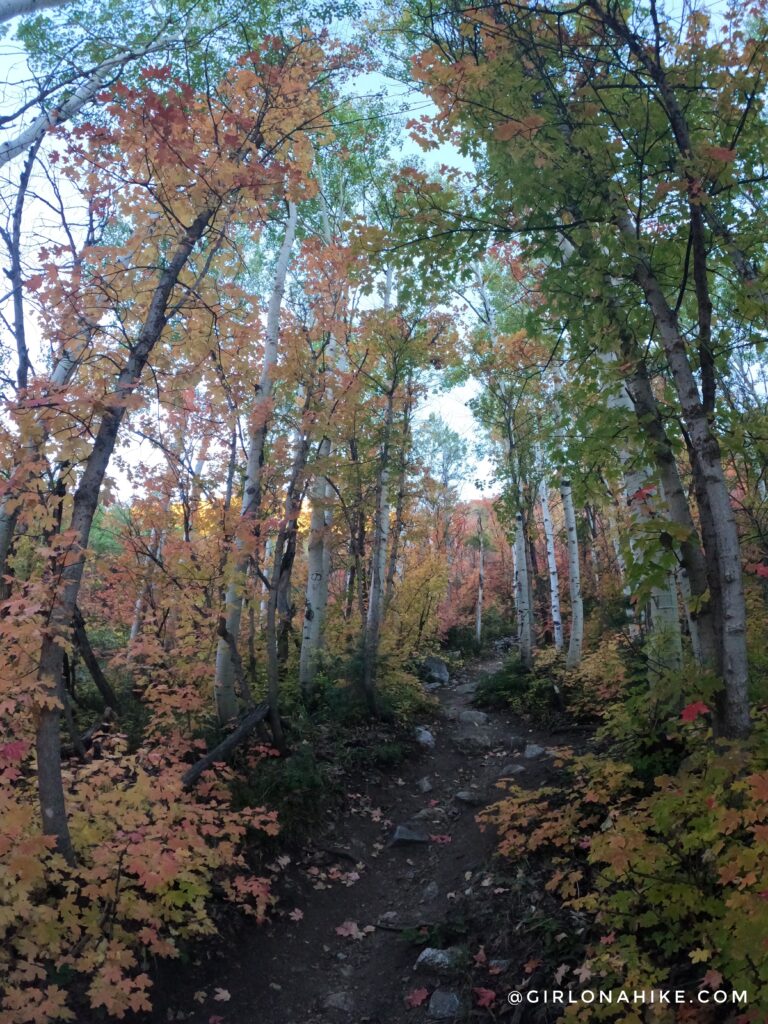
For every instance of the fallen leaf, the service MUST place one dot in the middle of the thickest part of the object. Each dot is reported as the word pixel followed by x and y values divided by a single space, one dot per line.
pixel 700 956
pixel 531 966
pixel 416 997
pixel 484 996
pixel 222 995
pixel 296 914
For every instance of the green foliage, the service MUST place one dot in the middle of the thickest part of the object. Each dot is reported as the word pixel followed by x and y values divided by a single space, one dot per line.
pixel 534 695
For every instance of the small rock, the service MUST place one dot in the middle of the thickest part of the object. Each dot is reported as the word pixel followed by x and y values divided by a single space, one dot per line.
pixel 467 689
pixel 339 1001
pixel 424 785
pixel 511 769
pixel 470 717
pixel 404 835
pixel 439 960
pixel 424 738
pixel 533 750
pixel 430 814
pixel 474 799
pixel 444 1005
pixel 431 892
pixel 471 740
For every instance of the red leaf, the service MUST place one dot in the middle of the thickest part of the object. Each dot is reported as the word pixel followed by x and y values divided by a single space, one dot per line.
pixel 13 751
pixel 416 997
pixel 642 494
pixel 484 996
pixel 720 153
pixel 692 711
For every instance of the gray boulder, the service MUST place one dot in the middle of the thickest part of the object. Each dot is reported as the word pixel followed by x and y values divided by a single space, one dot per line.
pixel 472 740
pixel 435 671
pixel 424 737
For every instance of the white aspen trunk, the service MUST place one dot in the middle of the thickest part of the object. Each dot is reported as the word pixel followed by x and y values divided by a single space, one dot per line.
pixel 224 684
pixel 524 616
pixel 322 495
pixel 721 538
pixel 576 638
pixel 269 550
pixel 87 91
pixel 664 646
pixel 480 580
pixel 146 590
pixel 378 567
pixel 554 580
pixel 593 559
pixel 375 610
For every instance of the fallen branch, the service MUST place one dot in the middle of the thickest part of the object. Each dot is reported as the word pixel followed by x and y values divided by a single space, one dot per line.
pixel 222 751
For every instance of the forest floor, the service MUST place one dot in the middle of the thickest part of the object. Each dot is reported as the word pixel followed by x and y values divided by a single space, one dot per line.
pixel 354 878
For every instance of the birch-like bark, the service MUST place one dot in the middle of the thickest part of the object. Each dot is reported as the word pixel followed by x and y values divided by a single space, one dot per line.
pixel 664 646
pixel 229 625
pixel 554 579
pixel 375 611
pixel 81 97
pixel 322 496
pixel 399 523
pixel 693 575
pixel 19 8
pixel 480 580
pixel 523 591
pixel 721 538
pixel 576 638
pixel 155 546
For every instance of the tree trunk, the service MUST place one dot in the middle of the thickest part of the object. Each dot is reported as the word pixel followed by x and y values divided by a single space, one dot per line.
pixel 318 569
pixel 554 581
pixel 576 638
pixel 723 552
pixel 85 502
pixel 480 580
pixel 523 593
pixel 224 683
pixel 375 611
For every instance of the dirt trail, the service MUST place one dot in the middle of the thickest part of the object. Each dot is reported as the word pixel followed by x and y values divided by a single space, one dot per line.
pixel 303 972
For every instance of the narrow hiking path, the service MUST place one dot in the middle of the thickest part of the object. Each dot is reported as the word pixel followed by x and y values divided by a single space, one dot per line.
pixel 357 879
